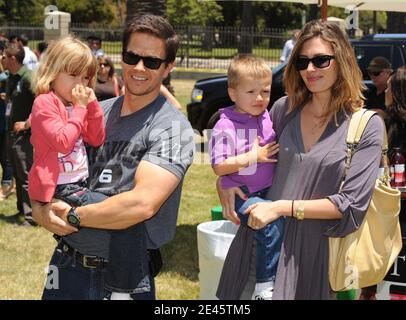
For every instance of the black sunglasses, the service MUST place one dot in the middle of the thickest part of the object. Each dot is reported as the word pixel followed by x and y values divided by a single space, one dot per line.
pixel 318 61
pixel 374 73
pixel 150 62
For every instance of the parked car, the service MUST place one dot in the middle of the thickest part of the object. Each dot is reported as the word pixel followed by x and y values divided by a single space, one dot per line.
pixel 209 95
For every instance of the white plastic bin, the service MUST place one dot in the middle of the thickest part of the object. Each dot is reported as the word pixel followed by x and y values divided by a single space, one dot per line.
pixel 213 241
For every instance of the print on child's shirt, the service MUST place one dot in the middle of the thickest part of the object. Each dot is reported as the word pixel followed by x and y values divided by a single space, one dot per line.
pixel 73 166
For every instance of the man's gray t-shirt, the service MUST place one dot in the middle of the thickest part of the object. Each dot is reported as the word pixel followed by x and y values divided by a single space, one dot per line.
pixel 158 133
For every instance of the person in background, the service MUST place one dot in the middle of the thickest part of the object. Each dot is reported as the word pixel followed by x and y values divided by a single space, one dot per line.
pixel 108 85
pixel 379 70
pixel 3 37
pixel 3 41
pixel 30 59
pixel 168 95
pixel 395 120
pixel 395 101
pixel 20 98
pixel 289 44
pixel 95 44
pixel 7 173
pixel 12 39
pixel 41 47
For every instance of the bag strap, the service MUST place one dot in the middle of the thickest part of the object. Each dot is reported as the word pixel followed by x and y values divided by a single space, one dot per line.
pixel 358 123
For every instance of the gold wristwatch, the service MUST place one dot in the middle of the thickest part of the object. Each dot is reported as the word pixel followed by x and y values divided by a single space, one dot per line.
pixel 299 212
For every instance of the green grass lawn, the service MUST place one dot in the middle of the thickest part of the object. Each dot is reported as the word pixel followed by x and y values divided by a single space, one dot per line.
pixel 25 252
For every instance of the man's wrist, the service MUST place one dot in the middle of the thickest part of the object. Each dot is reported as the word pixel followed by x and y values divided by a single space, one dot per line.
pixel 79 211
pixel 73 217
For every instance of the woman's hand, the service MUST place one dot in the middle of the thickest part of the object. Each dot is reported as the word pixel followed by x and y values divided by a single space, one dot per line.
pixel 227 200
pixel 261 214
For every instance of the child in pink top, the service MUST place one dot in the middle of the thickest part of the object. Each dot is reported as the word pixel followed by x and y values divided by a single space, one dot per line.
pixel 64 117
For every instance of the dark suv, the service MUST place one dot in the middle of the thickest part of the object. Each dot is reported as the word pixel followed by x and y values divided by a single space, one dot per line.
pixel 209 95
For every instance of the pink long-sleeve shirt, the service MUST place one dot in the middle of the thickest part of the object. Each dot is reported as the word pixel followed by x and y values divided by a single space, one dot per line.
pixel 55 131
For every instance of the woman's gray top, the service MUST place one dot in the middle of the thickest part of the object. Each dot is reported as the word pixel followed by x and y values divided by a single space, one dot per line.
pixel 303 264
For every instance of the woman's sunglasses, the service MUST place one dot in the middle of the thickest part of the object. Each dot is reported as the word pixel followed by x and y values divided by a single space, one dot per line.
pixel 318 61
pixel 150 62
pixel 374 73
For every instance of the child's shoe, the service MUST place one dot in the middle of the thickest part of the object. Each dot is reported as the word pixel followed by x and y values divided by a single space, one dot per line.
pixel 263 290
pixel 265 294
pixel 118 296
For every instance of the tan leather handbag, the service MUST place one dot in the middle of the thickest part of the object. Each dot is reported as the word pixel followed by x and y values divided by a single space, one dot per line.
pixel 364 257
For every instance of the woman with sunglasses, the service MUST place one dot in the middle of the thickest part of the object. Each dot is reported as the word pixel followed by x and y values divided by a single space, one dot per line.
pixel 324 88
pixel 395 120
pixel 108 85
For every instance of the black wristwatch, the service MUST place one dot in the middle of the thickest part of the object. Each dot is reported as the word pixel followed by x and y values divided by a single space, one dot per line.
pixel 73 218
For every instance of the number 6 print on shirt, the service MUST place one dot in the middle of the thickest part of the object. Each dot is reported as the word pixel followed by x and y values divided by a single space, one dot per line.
pixel 106 176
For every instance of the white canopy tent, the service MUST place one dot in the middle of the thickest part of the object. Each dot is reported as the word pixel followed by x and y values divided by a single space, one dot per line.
pixel 375 5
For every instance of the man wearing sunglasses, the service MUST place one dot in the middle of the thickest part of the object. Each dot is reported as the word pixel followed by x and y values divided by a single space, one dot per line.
pixel 379 70
pixel 148 148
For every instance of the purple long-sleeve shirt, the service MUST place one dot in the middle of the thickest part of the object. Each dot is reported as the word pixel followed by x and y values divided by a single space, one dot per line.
pixel 234 134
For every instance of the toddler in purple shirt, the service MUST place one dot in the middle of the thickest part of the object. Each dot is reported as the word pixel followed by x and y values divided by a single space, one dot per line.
pixel 241 148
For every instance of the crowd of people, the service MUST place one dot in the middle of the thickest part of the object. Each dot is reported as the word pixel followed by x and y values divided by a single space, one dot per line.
pixel 86 146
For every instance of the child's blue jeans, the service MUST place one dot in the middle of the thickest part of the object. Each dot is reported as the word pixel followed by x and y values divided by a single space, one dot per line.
pixel 269 238
pixel 128 268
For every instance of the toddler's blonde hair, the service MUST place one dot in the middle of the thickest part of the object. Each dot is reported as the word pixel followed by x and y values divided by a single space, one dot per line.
pixel 247 66
pixel 69 55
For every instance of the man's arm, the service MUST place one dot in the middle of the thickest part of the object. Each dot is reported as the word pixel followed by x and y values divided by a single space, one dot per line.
pixel 46 218
pixel 153 185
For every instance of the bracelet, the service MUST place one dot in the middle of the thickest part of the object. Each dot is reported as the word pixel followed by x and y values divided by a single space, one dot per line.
pixel 291 212
pixel 299 212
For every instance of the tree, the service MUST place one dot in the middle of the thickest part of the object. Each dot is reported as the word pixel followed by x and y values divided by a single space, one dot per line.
pixel 247 27
pixel 194 13
pixel 84 11
pixel 282 15
pixel 16 11
pixel 157 7
pixel 396 22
